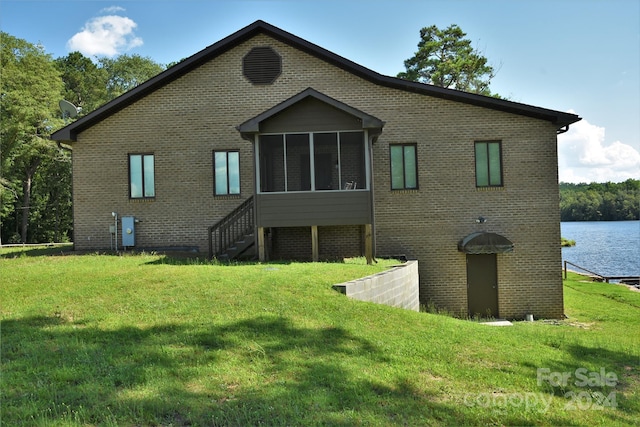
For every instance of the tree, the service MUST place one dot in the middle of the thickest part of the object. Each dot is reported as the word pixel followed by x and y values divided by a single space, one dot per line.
pixel 85 84
pixel 600 201
pixel 29 93
pixel 127 71
pixel 51 206
pixel 446 58
pixel 35 174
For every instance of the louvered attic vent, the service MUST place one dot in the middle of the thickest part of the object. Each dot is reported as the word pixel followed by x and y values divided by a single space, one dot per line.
pixel 262 65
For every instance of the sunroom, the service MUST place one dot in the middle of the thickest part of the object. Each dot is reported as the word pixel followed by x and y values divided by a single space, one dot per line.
pixel 313 165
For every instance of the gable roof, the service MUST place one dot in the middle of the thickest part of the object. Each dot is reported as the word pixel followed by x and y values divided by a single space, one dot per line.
pixel 368 121
pixel 70 132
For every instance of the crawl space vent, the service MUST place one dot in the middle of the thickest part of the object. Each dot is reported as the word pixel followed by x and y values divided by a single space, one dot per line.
pixel 262 65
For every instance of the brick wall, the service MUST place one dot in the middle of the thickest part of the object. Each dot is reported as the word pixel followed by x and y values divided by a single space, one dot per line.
pixel 337 242
pixel 334 242
pixel 290 243
pixel 183 122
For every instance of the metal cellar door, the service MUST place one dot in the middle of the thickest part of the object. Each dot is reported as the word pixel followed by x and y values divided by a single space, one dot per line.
pixel 482 285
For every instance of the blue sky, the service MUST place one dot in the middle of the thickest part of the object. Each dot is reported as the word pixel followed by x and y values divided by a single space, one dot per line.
pixel 570 55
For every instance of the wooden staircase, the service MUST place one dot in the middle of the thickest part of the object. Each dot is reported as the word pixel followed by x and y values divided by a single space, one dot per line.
pixel 233 236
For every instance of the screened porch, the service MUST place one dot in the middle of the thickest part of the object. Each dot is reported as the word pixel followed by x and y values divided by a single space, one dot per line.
pixel 312 162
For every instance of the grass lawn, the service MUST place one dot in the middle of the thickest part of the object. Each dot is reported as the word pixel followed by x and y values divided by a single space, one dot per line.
pixel 151 340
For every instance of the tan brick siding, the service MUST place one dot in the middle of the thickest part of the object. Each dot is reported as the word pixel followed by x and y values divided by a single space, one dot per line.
pixel 183 122
pixel 334 242
pixel 290 243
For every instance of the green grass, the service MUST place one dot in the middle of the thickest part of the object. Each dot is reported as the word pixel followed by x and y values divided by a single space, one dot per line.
pixel 152 340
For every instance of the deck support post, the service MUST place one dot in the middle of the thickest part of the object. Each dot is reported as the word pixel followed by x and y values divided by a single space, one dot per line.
pixel 262 256
pixel 315 253
pixel 368 243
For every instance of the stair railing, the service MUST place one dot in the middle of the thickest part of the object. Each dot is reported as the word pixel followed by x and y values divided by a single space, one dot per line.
pixel 231 228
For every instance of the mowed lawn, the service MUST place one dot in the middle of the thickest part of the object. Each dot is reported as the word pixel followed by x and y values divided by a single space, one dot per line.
pixel 146 339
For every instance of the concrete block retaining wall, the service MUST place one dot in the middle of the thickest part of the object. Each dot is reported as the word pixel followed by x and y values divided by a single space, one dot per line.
pixel 397 287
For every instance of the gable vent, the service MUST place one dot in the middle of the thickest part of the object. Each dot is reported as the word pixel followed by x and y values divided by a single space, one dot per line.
pixel 262 65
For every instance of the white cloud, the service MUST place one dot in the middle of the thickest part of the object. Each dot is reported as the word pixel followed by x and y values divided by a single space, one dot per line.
pixel 583 156
pixel 113 9
pixel 107 35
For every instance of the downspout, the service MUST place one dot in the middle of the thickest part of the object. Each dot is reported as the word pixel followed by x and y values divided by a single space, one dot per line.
pixel 562 130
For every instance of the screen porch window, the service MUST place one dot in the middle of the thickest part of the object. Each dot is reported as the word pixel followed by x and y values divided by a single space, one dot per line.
pixel 488 156
pixel 404 166
pixel 226 166
pixel 141 176
pixel 312 161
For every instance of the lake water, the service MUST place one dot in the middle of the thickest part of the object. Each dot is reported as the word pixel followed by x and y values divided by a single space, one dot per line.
pixel 609 248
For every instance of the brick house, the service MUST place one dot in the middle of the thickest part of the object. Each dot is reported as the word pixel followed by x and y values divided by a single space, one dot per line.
pixel 265 142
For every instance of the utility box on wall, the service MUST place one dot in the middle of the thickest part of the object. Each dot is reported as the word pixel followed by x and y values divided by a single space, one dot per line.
pixel 128 231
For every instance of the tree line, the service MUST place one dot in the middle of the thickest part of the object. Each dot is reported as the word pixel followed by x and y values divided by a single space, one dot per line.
pixel 600 201
pixel 35 172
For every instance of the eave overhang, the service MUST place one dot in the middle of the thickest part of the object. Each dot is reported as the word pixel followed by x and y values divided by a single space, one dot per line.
pixel 69 133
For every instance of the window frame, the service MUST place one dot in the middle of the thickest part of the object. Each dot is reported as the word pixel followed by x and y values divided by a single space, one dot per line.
pixel 404 145
pixel 343 140
pixel 490 173
pixel 228 186
pixel 143 176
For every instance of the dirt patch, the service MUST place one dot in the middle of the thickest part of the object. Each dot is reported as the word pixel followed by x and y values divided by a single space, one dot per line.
pixel 581 325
